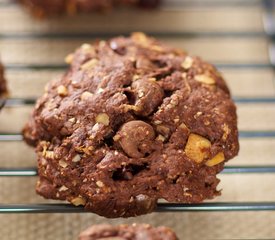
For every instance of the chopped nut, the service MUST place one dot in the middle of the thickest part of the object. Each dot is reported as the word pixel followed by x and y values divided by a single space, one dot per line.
pixel 87 48
pixel 157 48
pixel 197 115
pixel 176 120
pixel 63 188
pixel 226 130
pixel 141 94
pixel 163 130
pixel 62 163
pixel 86 95
pixel 71 120
pixel 78 201
pixel 160 138
pixel 102 43
pixel 197 148
pixel 140 37
pixel 157 122
pixel 215 160
pixel 90 64
pixel 100 90
pixel 205 79
pixel 206 122
pixel 183 126
pixel 116 138
pixel 76 158
pixel 62 91
pixel 100 184
pixel 49 154
pixel 136 77
pixel 103 118
pixel 187 63
pixel 69 58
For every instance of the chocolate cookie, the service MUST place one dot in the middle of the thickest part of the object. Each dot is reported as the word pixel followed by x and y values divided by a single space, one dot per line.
pixel 126 232
pixel 133 121
pixel 3 87
pixel 57 7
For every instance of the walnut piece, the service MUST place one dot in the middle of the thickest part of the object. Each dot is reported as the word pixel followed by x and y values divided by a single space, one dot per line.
pixel 62 91
pixel 187 63
pixel 90 64
pixel 69 58
pixel 215 160
pixel 205 79
pixel 103 118
pixel 86 95
pixel 197 148
pixel 62 164
pixel 78 201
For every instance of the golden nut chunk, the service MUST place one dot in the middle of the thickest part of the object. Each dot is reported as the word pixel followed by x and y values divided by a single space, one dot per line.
pixel 103 118
pixel 215 160
pixel 76 158
pixel 187 63
pixel 69 58
pixel 62 91
pixel 205 79
pixel 90 64
pixel 86 95
pixel 197 148
pixel 87 48
pixel 78 201
pixel 62 164
pixel 141 38
pixel 100 184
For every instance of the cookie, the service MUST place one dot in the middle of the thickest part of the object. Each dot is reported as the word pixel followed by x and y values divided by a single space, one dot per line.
pixel 127 232
pixel 58 7
pixel 3 87
pixel 133 121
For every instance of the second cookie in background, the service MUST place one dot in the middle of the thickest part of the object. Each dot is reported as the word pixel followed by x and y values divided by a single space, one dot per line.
pixel 127 232
pixel 46 8
pixel 3 84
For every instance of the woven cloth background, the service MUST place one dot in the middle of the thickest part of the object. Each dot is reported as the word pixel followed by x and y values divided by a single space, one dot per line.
pixel 18 45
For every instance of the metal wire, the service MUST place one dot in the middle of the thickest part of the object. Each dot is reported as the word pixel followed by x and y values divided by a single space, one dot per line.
pixel 31 172
pixel 161 207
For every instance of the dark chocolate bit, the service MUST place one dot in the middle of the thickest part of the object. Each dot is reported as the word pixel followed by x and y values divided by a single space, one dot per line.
pixel 148 96
pixel 134 137
pixel 113 138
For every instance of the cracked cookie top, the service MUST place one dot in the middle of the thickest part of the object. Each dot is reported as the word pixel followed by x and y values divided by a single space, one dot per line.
pixel 132 121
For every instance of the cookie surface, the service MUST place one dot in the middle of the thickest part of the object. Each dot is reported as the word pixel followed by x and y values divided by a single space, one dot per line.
pixel 3 87
pixel 57 7
pixel 127 232
pixel 133 121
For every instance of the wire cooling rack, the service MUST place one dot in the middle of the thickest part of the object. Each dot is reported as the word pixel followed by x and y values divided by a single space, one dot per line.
pixel 269 24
